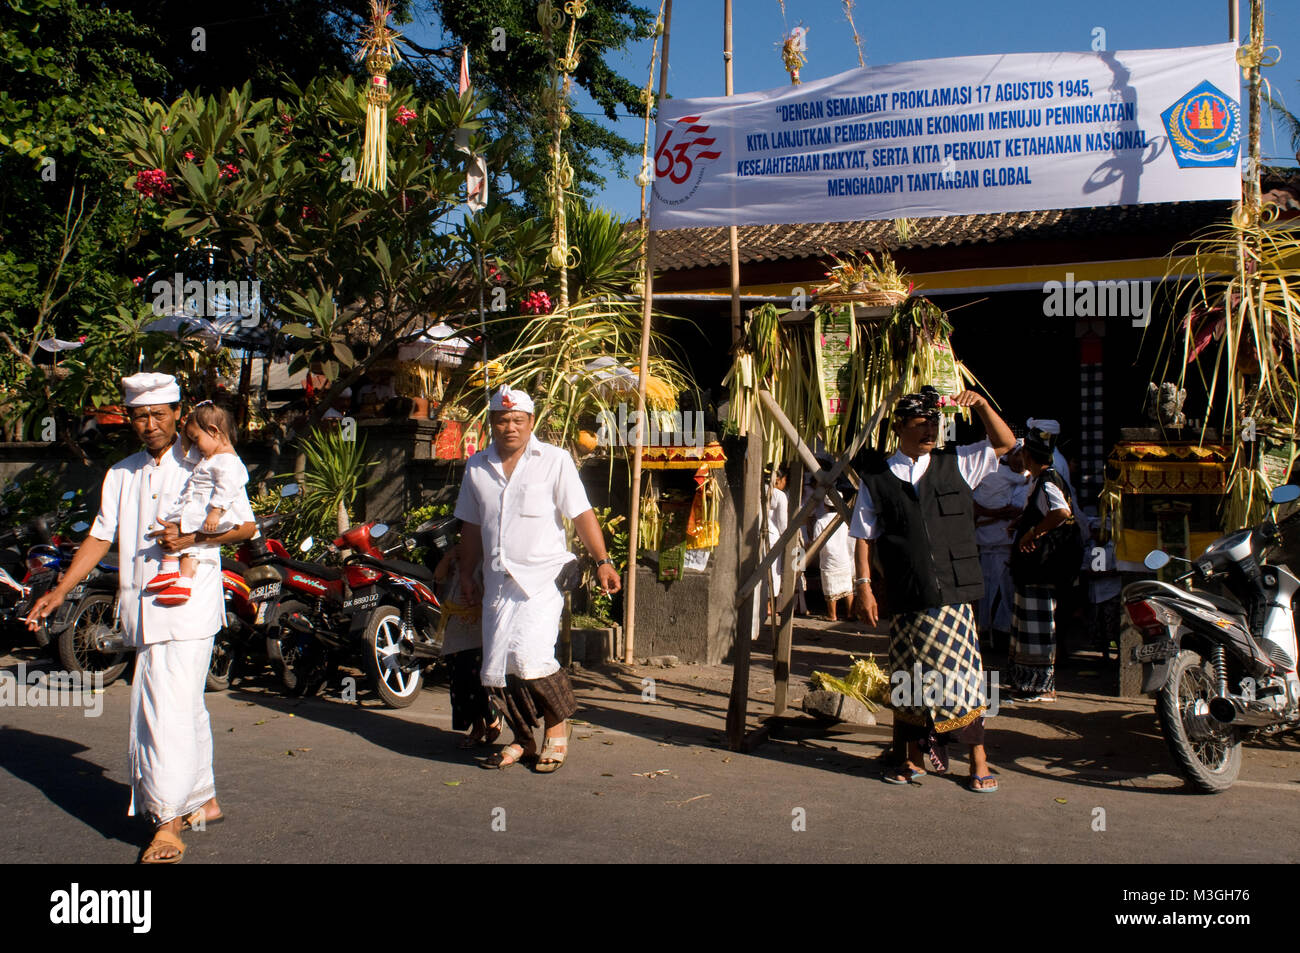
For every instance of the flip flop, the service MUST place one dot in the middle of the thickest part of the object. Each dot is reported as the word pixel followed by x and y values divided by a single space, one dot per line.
pixel 902 776
pixel 163 839
pixel 983 777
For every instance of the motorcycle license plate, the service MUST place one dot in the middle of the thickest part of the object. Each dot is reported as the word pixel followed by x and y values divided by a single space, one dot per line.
pixel 1155 651
pixel 262 593
pixel 77 591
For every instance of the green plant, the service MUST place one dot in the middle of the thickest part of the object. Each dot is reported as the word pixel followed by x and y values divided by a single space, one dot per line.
pixel 601 604
pixel 333 477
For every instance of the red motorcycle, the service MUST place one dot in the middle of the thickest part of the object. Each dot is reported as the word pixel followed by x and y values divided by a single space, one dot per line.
pixel 395 625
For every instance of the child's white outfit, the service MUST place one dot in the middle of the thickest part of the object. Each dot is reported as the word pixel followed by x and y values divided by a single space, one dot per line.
pixel 218 481
pixel 836 559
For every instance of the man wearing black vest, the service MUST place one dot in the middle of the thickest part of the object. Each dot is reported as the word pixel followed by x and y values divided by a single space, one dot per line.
pixel 915 514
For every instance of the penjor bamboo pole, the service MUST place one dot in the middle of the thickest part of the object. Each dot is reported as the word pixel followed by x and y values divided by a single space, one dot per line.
pixel 634 496
pixel 733 240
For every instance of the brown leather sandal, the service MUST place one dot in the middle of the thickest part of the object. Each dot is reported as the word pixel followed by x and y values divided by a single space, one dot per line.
pixel 161 839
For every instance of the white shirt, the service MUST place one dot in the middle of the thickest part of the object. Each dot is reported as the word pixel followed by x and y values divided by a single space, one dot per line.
pixel 520 516
pixel 1003 487
pixel 128 509
pixel 975 461
pixel 1050 499
pixel 778 515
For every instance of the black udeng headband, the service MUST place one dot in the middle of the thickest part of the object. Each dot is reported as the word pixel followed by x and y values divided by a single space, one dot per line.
pixel 925 404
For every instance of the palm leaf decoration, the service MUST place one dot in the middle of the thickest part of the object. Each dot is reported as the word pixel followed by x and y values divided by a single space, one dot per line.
pixel 1239 302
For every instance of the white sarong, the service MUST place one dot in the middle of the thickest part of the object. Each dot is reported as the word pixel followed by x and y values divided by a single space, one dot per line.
pixel 170 756
pixel 518 631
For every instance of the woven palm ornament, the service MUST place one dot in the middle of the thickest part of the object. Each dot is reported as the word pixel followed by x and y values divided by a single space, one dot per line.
pixel 379 50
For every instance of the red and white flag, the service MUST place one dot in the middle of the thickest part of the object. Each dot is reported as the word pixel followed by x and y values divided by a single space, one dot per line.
pixel 476 182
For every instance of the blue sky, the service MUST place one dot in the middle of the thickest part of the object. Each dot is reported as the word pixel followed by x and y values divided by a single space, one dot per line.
pixel 926 29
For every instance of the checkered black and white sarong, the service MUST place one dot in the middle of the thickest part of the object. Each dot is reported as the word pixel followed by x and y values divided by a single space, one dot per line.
pixel 939 651
pixel 1033 639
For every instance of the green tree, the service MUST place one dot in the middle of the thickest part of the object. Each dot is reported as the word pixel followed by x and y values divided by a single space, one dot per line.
pixel 66 80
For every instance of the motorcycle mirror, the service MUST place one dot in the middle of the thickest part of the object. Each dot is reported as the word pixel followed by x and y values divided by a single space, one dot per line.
pixel 306 544
pixel 1287 493
pixel 80 526
pixel 289 489
pixel 378 530
pixel 1157 559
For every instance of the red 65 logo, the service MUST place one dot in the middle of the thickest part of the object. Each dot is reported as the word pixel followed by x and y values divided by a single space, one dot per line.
pixel 671 158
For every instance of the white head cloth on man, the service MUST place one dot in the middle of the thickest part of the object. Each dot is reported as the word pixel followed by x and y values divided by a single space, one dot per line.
pixel 144 390
pixel 507 399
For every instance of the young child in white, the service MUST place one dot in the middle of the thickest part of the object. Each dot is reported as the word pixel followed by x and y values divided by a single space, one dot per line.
pixel 218 478
pixel 837 566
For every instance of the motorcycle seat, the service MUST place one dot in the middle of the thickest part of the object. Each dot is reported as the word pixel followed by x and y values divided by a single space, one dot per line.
pixel 1224 604
pixel 414 570
pixel 312 569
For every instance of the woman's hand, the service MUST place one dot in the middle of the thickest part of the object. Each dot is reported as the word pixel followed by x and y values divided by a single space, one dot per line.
pixel 1027 544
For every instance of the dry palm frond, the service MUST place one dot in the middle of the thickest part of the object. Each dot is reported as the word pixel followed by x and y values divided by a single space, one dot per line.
pixel 556 358
pixel 866 682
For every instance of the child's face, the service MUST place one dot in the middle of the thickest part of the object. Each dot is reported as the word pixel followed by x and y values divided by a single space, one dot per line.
pixel 208 443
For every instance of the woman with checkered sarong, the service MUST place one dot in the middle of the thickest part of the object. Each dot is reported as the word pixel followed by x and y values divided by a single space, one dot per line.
pixel 1032 672
pixel 915 512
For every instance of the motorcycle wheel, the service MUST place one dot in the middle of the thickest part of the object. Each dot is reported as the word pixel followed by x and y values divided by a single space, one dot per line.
pixel 1209 760
pixel 223 662
pixel 305 666
pixel 75 644
pixel 398 683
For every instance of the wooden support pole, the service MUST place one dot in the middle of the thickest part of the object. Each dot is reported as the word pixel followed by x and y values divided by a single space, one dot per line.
pixel 751 523
pixel 806 456
pixel 789 599
pixel 733 243
pixel 634 494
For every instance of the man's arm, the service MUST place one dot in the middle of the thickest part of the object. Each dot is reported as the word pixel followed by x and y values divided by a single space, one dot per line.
pixel 173 541
pixel 590 533
pixel 1000 435
pixel 1049 522
pixel 88 555
pixel 471 554
pixel 864 601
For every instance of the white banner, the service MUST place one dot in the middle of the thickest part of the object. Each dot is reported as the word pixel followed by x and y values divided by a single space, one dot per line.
pixel 956 136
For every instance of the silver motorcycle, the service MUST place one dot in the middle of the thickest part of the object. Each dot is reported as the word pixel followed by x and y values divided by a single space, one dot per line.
pixel 1219 648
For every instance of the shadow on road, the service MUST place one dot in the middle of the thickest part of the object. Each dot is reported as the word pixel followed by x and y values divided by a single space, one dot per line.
pixel 77 786
pixel 378 725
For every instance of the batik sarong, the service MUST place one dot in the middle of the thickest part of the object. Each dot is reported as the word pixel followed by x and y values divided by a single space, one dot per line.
pixel 1033 640
pixel 941 685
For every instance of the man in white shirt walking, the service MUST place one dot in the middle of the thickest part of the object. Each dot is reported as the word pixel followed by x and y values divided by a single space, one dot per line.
pixel 170 751
pixel 513 500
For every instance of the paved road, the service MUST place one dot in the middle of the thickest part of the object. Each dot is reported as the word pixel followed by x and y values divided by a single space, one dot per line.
pixel 324 781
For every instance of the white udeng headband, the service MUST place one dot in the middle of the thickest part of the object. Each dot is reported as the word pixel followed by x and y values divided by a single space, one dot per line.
pixel 507 399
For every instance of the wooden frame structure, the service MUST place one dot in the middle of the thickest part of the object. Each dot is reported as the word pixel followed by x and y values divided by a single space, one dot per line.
pixel 752 570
